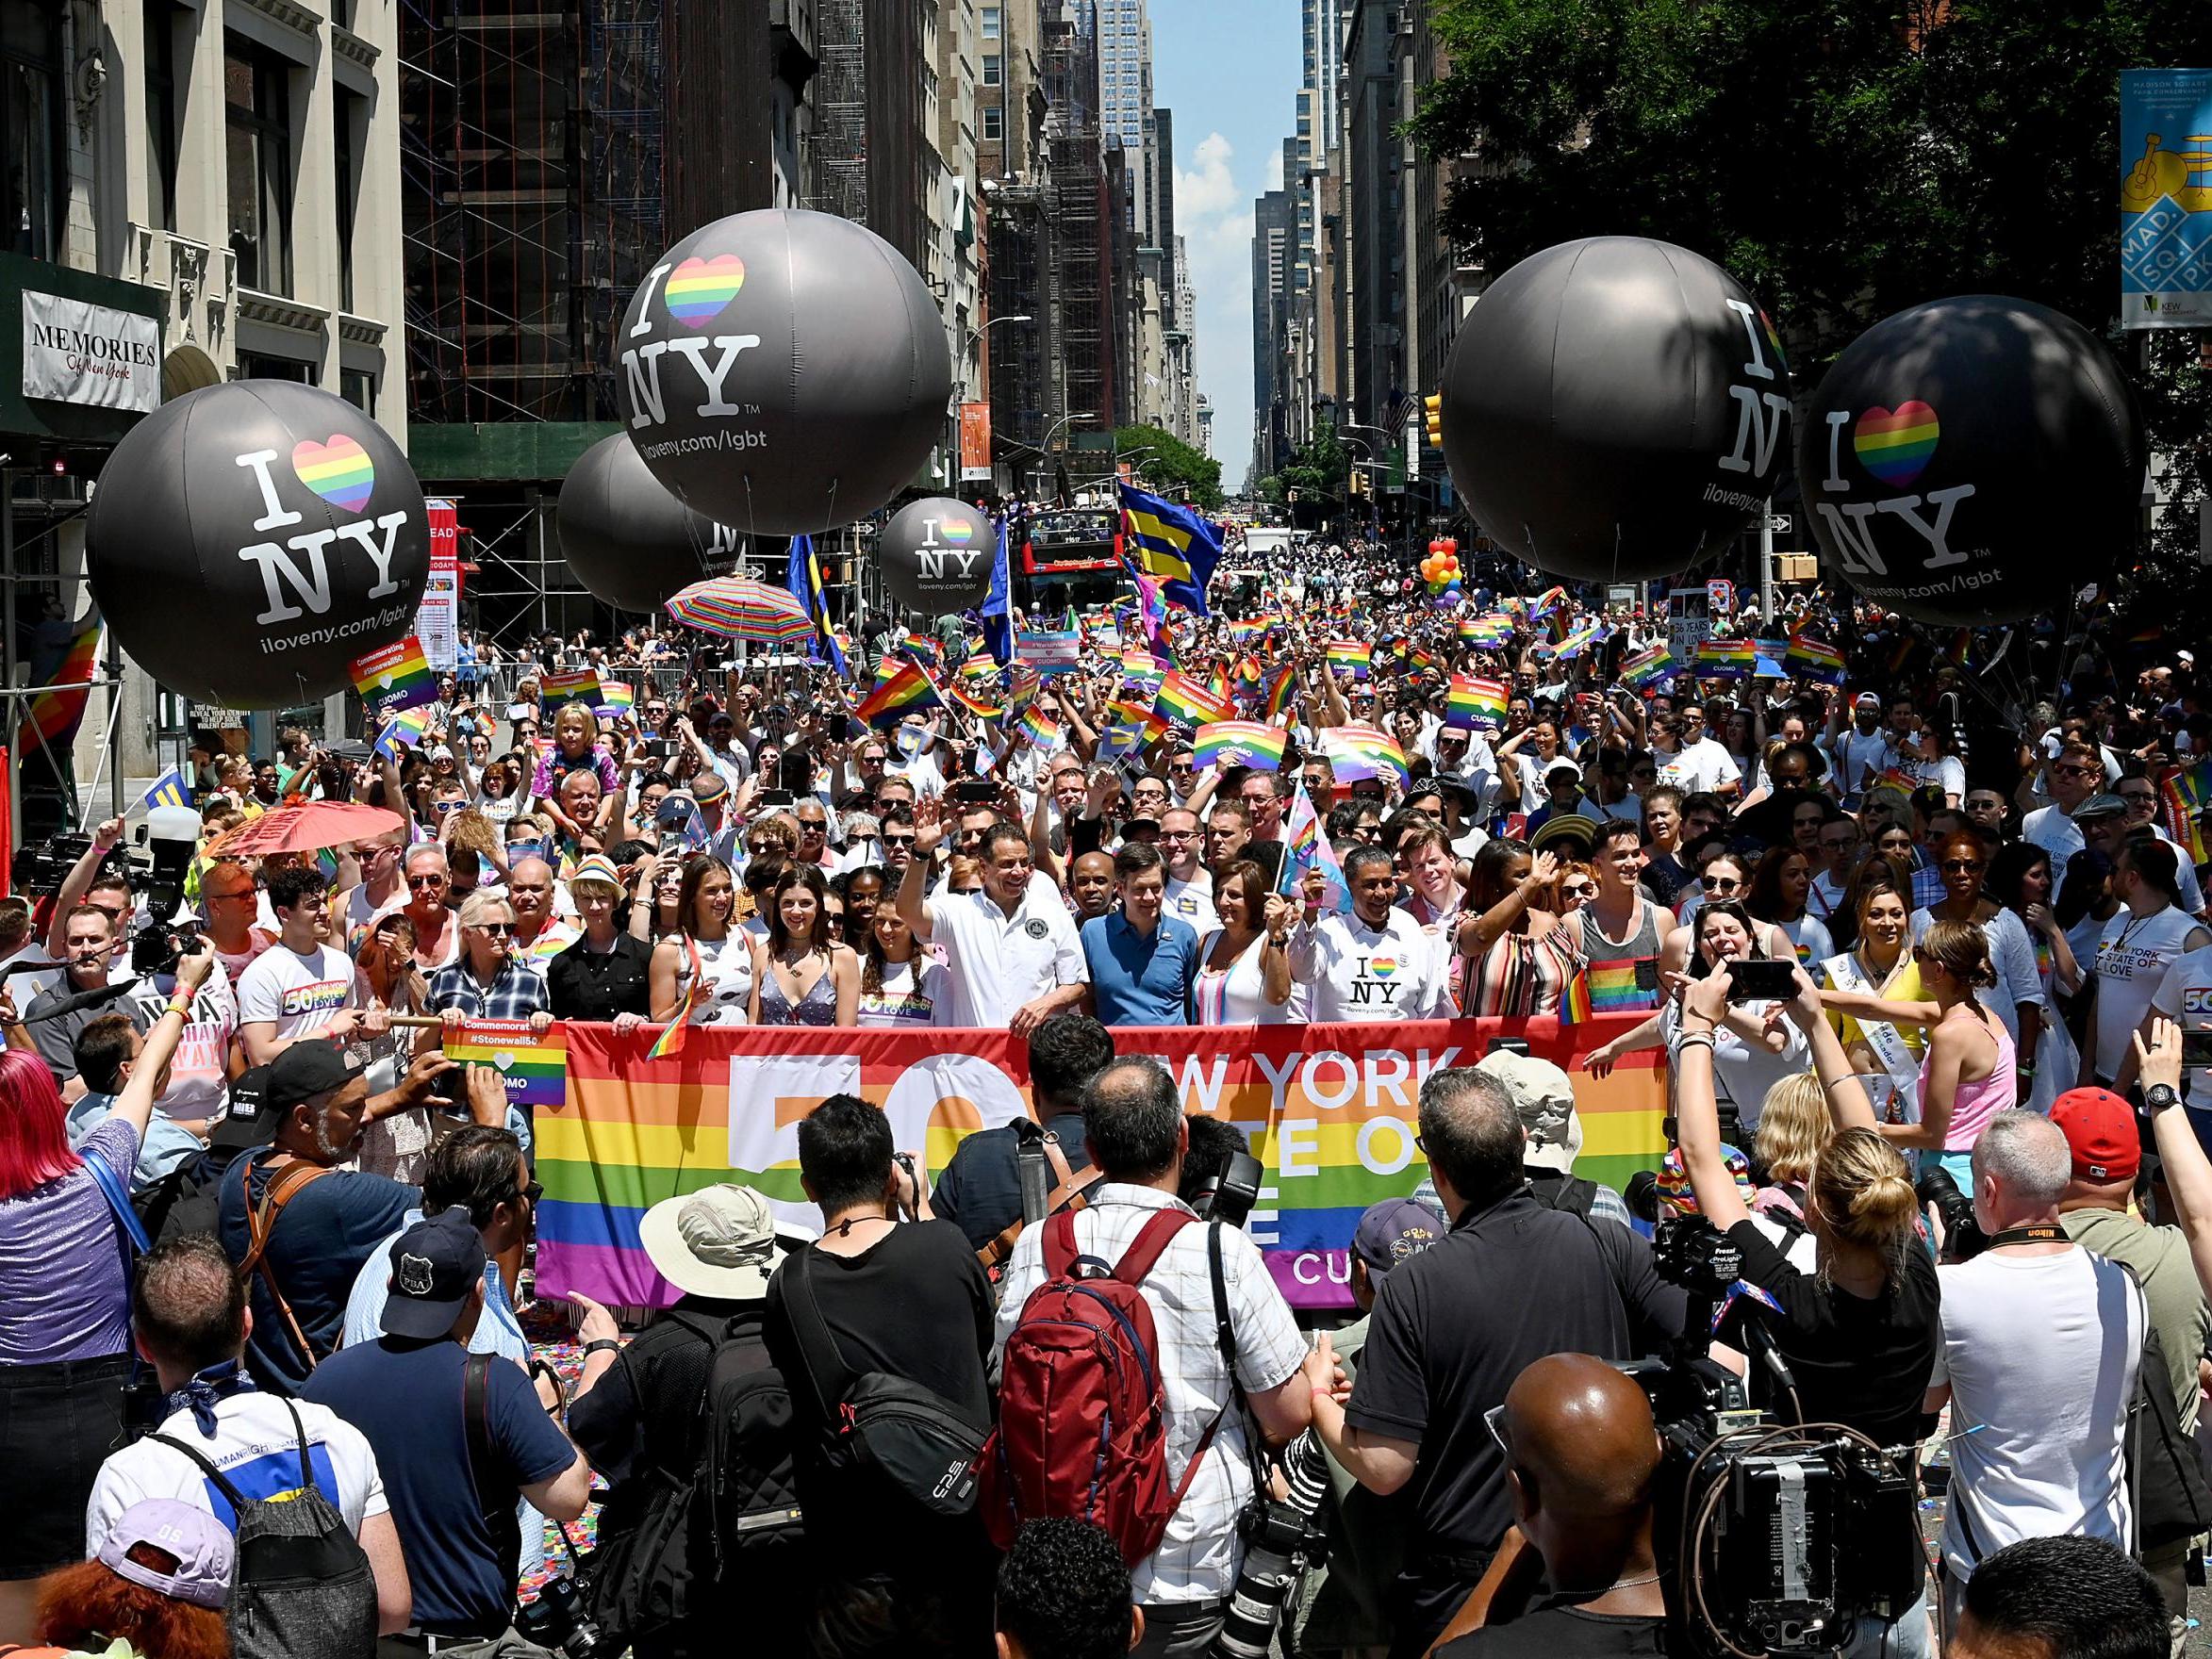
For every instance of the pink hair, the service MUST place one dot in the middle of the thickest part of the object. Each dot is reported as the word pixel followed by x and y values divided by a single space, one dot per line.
pixel 34 1148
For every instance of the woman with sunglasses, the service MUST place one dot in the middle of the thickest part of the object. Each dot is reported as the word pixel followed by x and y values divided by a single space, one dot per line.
pixel 1967 1072
pixel 657 887
pixel 2015 996
pixel 1573 889
pixel 704 969
pixel 497 788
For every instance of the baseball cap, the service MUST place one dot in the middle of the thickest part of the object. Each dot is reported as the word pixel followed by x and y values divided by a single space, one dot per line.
pixel 154 1532
pixel 311 1067
pixel 718 1242
pixel 1543 1097
pixel 1394 1230
pixel 2100 1130
pixel 2100 806
pixel 434 1264
pixel 1866 700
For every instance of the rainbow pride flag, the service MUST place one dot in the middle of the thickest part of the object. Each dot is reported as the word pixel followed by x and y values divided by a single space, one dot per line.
pixel 1727 659
pixel 404 730
pixel 1815 659
pixel 1476 704
pixel 673 1035
pixel 1356 751
pixel 1238 743
pixel 580 685
pixel 53 716
pixel 1183 703
pixel 2185 796
pixel 1648 666
pixel 907 689
pixel 534 1069
pixel 616 699
pixel 1282 686
pixel 1039 728
pixel 396 677
pixel 1611 988
pixel 1349 656
pixel 918 648
pixel 980 707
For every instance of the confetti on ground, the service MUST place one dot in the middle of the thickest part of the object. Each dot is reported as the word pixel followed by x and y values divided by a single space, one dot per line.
pixel 553 1340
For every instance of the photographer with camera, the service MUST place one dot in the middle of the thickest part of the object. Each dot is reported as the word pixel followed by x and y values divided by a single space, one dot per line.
pixel 1856 1339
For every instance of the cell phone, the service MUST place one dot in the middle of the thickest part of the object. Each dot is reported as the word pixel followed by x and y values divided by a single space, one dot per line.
pixel 656 749
pixel 775 797
pixel 975 789
pixel 2196 1047
pixel 1762 978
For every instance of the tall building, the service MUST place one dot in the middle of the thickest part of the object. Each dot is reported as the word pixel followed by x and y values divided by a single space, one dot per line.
pixel 212 192
pixel 962 247
pixel 1123 36
pixel 1275 238
pixel 1088 325
pixel 1019 209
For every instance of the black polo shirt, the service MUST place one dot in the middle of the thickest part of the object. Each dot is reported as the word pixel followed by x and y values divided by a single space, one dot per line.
pixel 585 984
pixel 1455 1325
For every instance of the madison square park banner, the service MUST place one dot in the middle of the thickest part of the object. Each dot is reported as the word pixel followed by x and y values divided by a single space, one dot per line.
pixel 1329 1110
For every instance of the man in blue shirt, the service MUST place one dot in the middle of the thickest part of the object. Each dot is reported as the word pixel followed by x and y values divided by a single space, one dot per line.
pixel 404 1393
pixel 1141 962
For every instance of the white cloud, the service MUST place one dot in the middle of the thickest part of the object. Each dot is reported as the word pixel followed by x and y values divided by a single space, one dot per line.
pixel 1211 189
pixel 1275 168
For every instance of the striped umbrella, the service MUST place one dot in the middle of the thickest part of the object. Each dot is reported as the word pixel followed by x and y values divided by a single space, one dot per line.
pixel 736 607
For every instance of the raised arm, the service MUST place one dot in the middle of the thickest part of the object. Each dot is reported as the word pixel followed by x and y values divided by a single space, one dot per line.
pixel 2187 1172
pixel 1849 1104
pixel 1697 1116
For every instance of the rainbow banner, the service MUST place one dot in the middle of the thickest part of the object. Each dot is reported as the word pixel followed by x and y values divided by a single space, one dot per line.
pixel 1349 656
pixel 1238 743
pixel 1476 704
pixel 395 676
pixel 1185 702
pixel 1648 666
pixel 1330 1111
pixel 1815 659
pixel 616 700
pixel 534 1068
pixel 578 685
pixel 1358 751
pixel 1727 659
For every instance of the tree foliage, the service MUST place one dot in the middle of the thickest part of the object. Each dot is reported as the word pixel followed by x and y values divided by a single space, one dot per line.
pixel 1173 462
pixel 1320 467
pixel 1843 158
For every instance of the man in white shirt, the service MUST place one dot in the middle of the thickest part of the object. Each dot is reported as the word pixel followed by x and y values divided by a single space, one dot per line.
pixel 2074 775
pixel 2038 1351
pixel 1700 765
pixel 188 1319
pixel 1012 956
pixel 1375 963
pixel 1189 897
pixel 299 987
pixel 1854 751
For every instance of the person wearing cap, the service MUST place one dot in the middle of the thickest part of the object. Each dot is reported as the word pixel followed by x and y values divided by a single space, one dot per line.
pixel 316 1223
pixel 636 1410
pixel 189 1324
pixel 1855 752
pixel 2074 775
pixel 1561 778
pixel 1346 1610
pixel 405 1391
pixel 604 974
pixel 157 1586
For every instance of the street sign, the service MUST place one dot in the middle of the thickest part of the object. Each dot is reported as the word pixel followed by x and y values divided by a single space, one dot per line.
pixel 1779 523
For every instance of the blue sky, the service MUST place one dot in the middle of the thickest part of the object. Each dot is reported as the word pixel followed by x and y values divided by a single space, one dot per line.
pixel 1230 71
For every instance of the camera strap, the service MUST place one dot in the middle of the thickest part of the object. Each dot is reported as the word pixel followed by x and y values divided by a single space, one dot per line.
pixel 2041 1233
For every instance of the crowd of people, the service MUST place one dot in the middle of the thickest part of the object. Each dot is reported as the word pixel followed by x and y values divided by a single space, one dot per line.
pixel 1932 1008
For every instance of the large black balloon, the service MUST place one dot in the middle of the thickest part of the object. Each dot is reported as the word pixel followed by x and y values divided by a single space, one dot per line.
pixel 936 555
pixel 1973 460
pixel 784 372
pixel 248 540
pixel 628 540
pixel 1615 409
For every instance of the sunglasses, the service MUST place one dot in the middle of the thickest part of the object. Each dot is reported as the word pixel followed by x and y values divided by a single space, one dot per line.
pixel 1964 865
pixel 442 807
pixel 898 841
pixel 1719 883
pixel 496 930
pixel 1579 890
pixel 426 881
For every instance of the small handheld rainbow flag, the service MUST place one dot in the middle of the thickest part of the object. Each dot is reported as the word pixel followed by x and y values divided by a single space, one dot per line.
pixel 404 731
pixel 907 688
pixel 1282 686
pixel 671 1041
pixel 1238 743
pixel 395 676
pixel 534 1069
pixel 1305 848
pixel 580 685
pixel 919 647
pixel 616 699
pixel 1727 659
pixel 1349 656
pixel 1648 666
pixel 1358 751
pixel 2186 794
pixel 1039 728
pixel 1183 703
pixel 980 707
pixel 1815 659
pixel 1478 705
pixel 1580 638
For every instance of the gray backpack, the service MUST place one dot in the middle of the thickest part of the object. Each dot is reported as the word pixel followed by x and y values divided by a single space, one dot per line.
pixel 301 1586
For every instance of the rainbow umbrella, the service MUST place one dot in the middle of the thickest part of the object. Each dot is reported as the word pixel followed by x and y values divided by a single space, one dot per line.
pixel 737 607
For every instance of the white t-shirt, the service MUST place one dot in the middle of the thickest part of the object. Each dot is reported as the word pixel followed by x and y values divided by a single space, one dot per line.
pixel 996 963
pixel 1853 752
pixel 2041 1354
pixel 1355 972
pixel 301 994
pixel 907 1002
pixel 2133 954
pixel 1192 902
pixel 199 1082
pixel 257 1451
pixel 2186 995
pixel 2055 832
pixel 1700 767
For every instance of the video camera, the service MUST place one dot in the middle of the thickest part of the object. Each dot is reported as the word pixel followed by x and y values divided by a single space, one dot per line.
pixel 1773 1538
pixel 174 833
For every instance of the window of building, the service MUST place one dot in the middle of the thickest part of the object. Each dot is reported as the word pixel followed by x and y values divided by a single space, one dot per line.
pixel 359 387
pixel 994 121
pixel 33 187
pixel 991 23
pixel 161 110
pixel 348 116
pixel 257 123
pixel 261 366
pixel 994 72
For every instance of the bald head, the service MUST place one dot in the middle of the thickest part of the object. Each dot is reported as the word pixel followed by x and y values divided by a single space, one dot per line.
pixel 1581 1439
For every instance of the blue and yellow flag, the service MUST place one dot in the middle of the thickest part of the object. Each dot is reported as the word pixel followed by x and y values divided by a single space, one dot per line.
pixel 1175 546
pixel 802 578
pixel 169 790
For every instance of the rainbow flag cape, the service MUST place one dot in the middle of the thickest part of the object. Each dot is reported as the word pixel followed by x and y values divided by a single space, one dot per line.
pixel 53 716
pixel 2186 794
pixel 1727 659
pixel 1358 751
pixel 907 688
pixel 1183 702
pixel 1479 705
pixel 395 676
pixel 1039 728
pixel 534 1068
pixel 1349 656
pixel 1238 743
pixel 1648 666
pixel 1815 659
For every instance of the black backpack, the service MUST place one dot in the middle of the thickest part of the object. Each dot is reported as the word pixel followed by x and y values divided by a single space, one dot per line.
pixel 300 1581
pixel 727 1535
pixel 1553 1190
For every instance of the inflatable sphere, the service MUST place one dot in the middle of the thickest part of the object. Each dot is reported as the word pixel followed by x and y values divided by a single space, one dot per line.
pixel 936 555
pixel 784 371
pixel 1615 409
pixel 1973 460
pixel 628 540
pixel 248 541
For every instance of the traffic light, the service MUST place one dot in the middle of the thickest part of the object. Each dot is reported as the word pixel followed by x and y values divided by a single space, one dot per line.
pixel 1432 411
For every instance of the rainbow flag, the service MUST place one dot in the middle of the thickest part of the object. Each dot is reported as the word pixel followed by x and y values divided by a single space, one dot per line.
pixel 1648 666
pixel 534 1068
pixel 1238 743
pixel 1249 673
pixel 1358 751
pixel 918 648
pixel 1478 705
pixel 53 716
pixel 1727 659
pixel 1579 638
pixel 1612 988
pixel 908 688
pixel 1039 728
pixel 2186 794
pixel 404 730
pixel 1575 1001
pixel 579 686
pixel 1282 687
pixel 982 708
pixel 395 676
pixel 1815 659
pixel 2150 633
pixel 1183 702
pixel 1246 633
pixel 1349 656
pixel 616 699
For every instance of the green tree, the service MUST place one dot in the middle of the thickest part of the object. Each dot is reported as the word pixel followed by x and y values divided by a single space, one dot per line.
pixel 1173 462
pixel 1843 158
pixel 1320 469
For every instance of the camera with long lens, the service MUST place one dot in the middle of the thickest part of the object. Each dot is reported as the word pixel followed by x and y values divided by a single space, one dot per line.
pixel 38 872
pixel 173 834
pixel 1283 1542
pixel 1230 1192
pixel 1963 1237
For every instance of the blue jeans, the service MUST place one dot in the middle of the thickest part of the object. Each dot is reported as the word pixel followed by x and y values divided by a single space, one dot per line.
pixel 1906 1636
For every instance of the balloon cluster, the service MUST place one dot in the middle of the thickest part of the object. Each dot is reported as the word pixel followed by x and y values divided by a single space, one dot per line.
pixel 1441 571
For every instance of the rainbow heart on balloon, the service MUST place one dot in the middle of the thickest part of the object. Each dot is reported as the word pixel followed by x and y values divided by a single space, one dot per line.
pixel 959 532
pixel 699 289
pixel 339 471
pixel 1896 445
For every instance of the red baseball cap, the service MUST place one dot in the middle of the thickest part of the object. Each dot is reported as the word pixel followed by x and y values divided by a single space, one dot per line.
pixel 2100 1130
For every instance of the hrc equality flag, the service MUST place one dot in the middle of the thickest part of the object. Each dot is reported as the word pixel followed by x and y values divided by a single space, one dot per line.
pixel 1330 1110
pixel 1176 547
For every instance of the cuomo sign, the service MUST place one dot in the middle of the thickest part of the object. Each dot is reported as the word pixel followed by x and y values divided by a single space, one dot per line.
pixel 73 352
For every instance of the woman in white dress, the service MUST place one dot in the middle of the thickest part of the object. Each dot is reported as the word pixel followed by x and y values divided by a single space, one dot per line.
pixel 1243 968
pixel 705 952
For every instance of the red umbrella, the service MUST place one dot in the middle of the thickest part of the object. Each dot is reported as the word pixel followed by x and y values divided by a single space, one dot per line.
pixel 306 826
